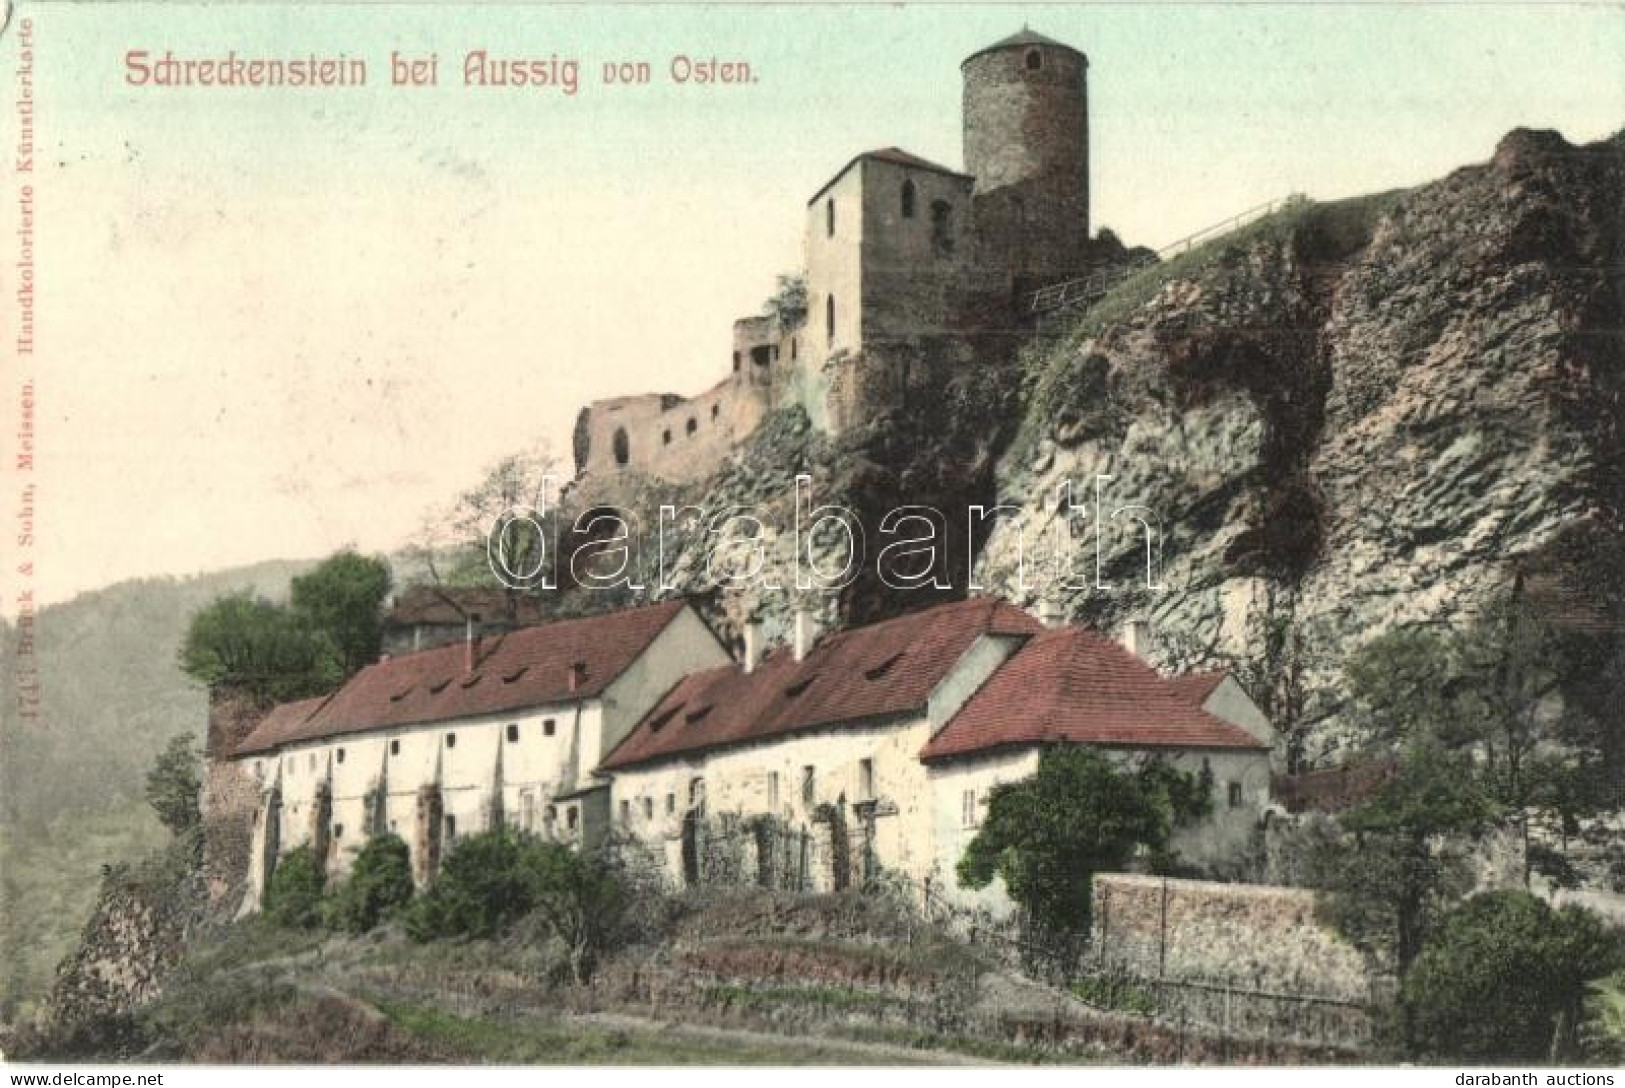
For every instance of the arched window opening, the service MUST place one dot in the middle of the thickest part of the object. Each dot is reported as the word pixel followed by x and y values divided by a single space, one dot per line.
pixel 1035 60
pixel 716 410
pixel 691 426
pixel 908 199
pixel 665 437
pixel 829 217
pixel 829 319
pixel 622 445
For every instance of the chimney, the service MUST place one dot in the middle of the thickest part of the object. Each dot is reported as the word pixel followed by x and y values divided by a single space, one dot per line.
pixel 753 642
pixel 471 642
pixel 1050 613
pixel 806 633
pixel 1137 638
pixel 578 675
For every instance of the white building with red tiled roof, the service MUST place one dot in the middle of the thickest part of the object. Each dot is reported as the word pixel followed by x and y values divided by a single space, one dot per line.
pixel 829 763
pixel 436 744
pixel 875 751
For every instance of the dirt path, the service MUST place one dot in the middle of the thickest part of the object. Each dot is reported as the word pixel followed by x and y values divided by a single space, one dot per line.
pixel 863 1053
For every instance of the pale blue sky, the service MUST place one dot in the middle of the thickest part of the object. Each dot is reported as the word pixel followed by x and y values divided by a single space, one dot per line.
pixel 277 321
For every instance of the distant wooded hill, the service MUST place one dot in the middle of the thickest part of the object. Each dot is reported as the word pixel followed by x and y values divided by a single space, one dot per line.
pixel 71 783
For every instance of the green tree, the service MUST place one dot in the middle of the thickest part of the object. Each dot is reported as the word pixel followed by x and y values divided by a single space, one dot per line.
pixel 1401 861
pixel 173 786
pixel 451 543
pixel 789 300
pixel 1504 979
pixel 252 645
pixel 342 602
pixel 293 896
pixel 483 886
pixel 379 883
pixel 582 902
pixel 1079 815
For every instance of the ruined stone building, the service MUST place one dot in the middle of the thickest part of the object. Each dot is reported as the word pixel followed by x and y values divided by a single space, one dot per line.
pixel 907 264
pixel 828 763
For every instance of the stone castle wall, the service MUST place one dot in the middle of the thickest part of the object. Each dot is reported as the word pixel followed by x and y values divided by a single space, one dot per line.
pixel 1250 936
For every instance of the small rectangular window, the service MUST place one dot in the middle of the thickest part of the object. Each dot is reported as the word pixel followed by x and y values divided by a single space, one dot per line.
pixel 809 784
pixel 1235 795
pixel 968 813
pixel 772 791
pixel 550 814
pixel 671 804
pixel 451 827
pixel 394 747
pixel 626 812
pixel 339 755
pixel 548 726
pixel 571 817
pixel 338 831
pixel 866 779
pixel 648 808
pixel 513 732
pixel 451 740
pixel 829 217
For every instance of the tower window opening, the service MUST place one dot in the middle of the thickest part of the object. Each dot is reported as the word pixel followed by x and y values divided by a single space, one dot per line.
pixel 829 217
pixel 716 410
pixel 908 199
pixel 942 228
pixel 829 319
pixel 665 437
pixel 1035 60
pixel 622 446
pixel 691 426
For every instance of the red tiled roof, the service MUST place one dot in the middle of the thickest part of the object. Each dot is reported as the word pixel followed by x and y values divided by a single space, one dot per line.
pixel 1333 789
pixel 895 155
pixel 1078 686
pixel 1195 687
pixel 447 605
pixel 528 667
pixel 867 672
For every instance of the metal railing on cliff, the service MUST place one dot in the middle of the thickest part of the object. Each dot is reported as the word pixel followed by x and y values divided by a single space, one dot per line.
pixel 1085 291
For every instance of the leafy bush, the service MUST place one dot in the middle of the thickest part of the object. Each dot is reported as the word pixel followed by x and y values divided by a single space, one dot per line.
pixel 173 785
pixel 293 898
pixel 492 879
pixel 380 882
pixel 482 887
pixel 1503 979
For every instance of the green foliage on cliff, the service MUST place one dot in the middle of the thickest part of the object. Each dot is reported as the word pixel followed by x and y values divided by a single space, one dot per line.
pixel 1079 815
pixel 1504 980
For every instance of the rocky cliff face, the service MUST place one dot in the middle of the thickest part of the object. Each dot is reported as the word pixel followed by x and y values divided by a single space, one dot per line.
pixel 1348 417
pixel 1342 418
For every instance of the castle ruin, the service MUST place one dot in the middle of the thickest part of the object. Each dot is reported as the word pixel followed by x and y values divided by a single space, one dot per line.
pixel 909 268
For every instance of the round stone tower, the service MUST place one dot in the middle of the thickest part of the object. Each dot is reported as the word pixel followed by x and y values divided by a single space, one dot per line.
pixel 1026 118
